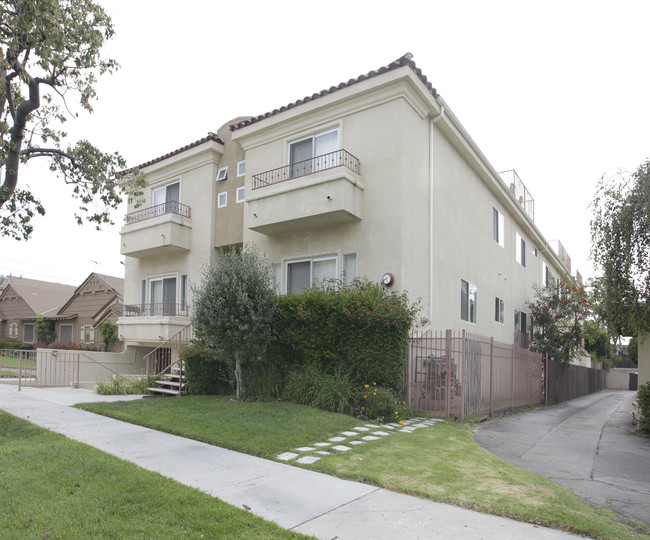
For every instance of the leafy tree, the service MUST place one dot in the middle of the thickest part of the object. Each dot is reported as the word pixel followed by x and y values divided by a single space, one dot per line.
pixel 633 351
pixel 597 340
pixel 51 56
pixel 558 315
pixel 110 334
pixel 233 308
pixel 620 231
pixel 44 329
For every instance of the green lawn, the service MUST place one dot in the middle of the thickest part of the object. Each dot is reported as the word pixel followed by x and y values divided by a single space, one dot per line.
pixel 53 487
pixel 442 463
pixel 256 428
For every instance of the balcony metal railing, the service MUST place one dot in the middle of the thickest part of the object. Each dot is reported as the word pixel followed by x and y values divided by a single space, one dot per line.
pixel 156 310
pixel 339 158
pixel 518 189
pixel 171 207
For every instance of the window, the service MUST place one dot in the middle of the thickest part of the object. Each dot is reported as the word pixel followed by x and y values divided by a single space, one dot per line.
pixel 28 333
pixel 520 249
pixel 302 274
pixel 222 199
pixel 222 174
pixel 301 153
pixel 240 194
pixel 520 321
pixel 65 333
pixel 86 334
pixel 546 275
pixel 349 268
pixel 162 296
pixel 241 168
pixel 534 251
pixel 498 310
pixel 13 331
pixel 468 301
pixel 165 199
pixel 498 227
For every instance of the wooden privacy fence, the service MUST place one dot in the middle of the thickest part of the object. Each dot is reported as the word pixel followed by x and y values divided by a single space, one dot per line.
pixel 569 382
pixel 461 374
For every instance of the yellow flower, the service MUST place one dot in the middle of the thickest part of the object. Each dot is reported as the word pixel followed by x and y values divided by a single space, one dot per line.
pixel 401 422
pixel 364 397
pixel 366 386
pixel 374 384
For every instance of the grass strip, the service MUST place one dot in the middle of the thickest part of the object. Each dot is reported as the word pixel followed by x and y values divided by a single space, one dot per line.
pixel 54 487
pixel 442 463
pixel 263 429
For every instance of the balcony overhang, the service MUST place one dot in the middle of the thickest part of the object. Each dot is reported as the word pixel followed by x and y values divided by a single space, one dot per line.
pixel 150 330
pixel 164 234
pixel 323 198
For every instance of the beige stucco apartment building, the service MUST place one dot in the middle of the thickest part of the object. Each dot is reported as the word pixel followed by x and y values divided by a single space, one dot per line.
pixel 374 177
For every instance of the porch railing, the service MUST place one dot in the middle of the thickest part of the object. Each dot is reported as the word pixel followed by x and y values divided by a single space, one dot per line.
pixel 156 309
pixel 166 355
pixel 339 158
pixel 171 207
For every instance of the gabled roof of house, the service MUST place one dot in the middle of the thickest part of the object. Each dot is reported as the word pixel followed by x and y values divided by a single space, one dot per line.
pixel 406 60
pixel 113 283
pixel 42 297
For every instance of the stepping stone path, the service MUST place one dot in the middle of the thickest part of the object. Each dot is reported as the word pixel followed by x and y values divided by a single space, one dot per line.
pixel 359 435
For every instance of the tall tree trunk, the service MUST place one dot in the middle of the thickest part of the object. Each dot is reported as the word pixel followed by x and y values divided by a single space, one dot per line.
pixel 238 379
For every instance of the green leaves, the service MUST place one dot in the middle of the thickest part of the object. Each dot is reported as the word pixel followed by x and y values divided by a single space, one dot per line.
pixel 50 57
pixel 620 230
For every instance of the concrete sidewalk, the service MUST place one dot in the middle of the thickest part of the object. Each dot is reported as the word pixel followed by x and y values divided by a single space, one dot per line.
pixel 295 498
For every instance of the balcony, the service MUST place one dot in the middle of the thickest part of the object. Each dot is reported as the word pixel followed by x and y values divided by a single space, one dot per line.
pixel 324 190
pixel 149 324
pixel 164 228
pixel 520 192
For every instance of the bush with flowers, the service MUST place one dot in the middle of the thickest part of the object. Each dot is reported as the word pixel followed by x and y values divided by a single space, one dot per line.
pixel 380 404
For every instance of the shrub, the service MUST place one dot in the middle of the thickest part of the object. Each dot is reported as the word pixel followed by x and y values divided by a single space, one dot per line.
pixel 263 381
pixel 118 385
pixel 110 334
pixel 44 329
pixel 360 329
pixel 331 392
pixel 380 404
pixel 208 371
pixel 643 399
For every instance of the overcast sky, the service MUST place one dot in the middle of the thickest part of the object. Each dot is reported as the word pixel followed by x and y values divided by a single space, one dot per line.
pixel 558 90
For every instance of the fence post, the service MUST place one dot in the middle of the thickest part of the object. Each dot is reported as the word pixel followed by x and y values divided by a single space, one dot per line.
pixel 546 379
pixel 78 369
pixel 512 377
pixel 491 386
pixel 448 348
pixel 462 364
pixel 20 370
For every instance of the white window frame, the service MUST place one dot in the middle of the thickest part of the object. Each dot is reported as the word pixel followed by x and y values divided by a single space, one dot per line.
pixel 33 332
pixel 87 336
pixel 240 194
pixel 13 330
pixel 518 320
pixel 520 249
pixel 155 190
pixel 311 262
pixel 61 327
pixel 224 203
pixel 499 310
pixel 241 168
pixel 470 314
pixel 222 174
pixel 498 227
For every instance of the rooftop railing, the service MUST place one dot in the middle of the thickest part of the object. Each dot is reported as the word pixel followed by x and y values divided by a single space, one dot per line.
pixel 518 189
pixel 339 158
pixel 171 207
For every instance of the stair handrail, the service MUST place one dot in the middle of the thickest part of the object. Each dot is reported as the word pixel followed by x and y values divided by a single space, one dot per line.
pixel 179 337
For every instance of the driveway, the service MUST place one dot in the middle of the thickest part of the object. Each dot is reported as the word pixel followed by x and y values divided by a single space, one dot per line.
pixel 586 445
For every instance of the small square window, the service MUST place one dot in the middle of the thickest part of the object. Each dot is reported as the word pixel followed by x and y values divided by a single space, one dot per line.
pixel 222 200
pixel 240 194
pixel 222 174
pixel 241 168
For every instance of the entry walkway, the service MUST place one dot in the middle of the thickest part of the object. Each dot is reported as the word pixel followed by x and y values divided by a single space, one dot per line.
pixel 295 498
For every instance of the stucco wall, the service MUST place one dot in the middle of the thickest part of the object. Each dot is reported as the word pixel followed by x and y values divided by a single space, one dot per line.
pixel 619 378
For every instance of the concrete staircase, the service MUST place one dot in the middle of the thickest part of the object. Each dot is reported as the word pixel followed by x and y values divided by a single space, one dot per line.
pixel 172 382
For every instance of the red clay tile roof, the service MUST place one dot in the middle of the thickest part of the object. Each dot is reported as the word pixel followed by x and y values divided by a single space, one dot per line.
pixel 210 137
pixel 406 60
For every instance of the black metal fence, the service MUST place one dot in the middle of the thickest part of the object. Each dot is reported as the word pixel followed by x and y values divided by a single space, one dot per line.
pixel 563 383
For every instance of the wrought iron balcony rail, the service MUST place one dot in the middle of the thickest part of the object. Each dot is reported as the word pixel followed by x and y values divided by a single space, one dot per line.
pixel 156 310
pixel 339 158
pixel 171 207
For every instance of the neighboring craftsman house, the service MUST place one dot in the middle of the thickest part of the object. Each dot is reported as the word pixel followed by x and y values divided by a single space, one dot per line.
pixel 75 311
pixel 23 299
pixel 99 298
pixel 374 177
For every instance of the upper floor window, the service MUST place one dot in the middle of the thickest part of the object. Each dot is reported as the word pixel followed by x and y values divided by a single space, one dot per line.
pixel 222 199
pixel 222 174
pixel 498 232
pixel 498 309
pixel 241 191
pixel 302 152
pixel 166 198
pixel 520 249
pixel 241 168
pixel 468 301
